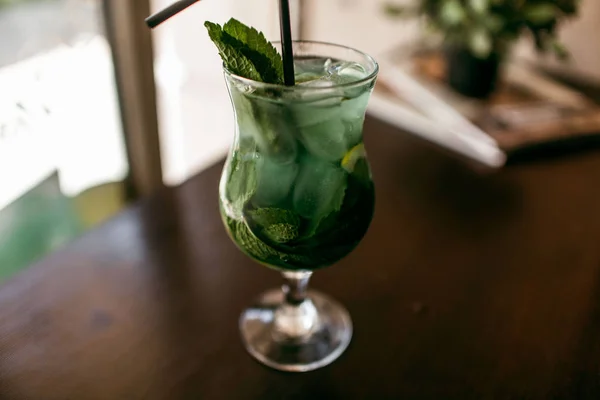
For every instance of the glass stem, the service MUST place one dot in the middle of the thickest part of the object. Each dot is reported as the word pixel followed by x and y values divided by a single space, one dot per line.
pixel 295 287
pixel 296 318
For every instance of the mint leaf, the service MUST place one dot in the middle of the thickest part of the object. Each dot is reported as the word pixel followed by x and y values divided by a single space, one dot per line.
pixel 234 60
pixel 242 183
pixel 246 52
pixel 320 190
pixel 262 252
pixel 263 54
pixel 277 224
pixel 250 243
pixel 330 216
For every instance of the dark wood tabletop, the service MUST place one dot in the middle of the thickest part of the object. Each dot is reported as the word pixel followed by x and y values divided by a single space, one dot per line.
pixel 469 285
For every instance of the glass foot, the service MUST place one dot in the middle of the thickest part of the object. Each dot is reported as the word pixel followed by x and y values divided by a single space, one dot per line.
pixel 325 326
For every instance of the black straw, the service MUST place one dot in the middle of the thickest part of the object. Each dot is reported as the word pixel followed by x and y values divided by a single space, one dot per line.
pixel 286 43
pixel 154 20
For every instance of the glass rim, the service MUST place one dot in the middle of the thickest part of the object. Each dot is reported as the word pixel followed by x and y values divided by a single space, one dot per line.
pixel 357 82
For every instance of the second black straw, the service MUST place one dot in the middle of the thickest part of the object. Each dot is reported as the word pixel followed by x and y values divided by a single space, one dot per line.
pixel 287 49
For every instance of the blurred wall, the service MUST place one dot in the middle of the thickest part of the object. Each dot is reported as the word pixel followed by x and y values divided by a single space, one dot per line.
pixel 362 24
pixel 357 23
pixel 195 115
pixel 582 37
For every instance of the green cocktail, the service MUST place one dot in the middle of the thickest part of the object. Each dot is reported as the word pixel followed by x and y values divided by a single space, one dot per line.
pixel 297 193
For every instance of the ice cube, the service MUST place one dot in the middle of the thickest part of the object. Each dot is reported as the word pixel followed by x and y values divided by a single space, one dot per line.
pixel 320 127
pixel 333 67
pixel 239 182
pixel 347 73
pixel 353 133
pixel 325 92
pixel 310 65
pixel 268 123
pixel 318 82
pixel 342 72
pixel 309 70
pixel 353 116
pixel 315 112
pixel 325 140
pixel 243 87
pixel 306 77
pixel 319 188
pixel 355 108
pixel 274 182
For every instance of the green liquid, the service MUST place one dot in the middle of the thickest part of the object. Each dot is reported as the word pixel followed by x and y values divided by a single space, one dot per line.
pixel 297 193
pixel 338 234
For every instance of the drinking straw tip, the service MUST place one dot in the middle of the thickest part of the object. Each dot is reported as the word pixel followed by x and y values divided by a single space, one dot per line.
pixel 156 19
pixel 286 43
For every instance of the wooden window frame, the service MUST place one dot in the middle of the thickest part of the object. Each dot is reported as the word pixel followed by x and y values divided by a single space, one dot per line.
pixel 133 59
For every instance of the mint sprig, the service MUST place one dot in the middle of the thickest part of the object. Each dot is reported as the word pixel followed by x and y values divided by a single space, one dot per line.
pixel 262 53
pixel 246 52
pixel 233 59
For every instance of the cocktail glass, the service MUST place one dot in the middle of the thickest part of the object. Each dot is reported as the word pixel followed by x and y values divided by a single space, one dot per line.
pixel 296 195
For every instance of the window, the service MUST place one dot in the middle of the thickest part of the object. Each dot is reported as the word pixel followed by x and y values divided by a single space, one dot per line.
pixel 60 126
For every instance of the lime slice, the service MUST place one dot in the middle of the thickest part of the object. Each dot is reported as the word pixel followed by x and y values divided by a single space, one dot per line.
pixel 355 163
pixel 353 156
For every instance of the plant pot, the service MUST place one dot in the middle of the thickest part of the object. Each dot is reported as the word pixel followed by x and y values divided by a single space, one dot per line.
pixel 470 75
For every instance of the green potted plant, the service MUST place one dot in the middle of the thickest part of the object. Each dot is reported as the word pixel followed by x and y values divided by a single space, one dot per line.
pixel 478 34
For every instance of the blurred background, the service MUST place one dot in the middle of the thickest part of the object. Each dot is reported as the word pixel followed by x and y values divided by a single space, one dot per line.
pixel 96 110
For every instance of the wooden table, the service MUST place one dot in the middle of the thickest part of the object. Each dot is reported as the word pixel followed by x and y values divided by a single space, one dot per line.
pixel 468 286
